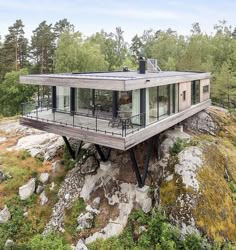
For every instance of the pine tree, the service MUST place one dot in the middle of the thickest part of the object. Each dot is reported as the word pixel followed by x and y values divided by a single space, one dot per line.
pixel 43 47
pixel 14 49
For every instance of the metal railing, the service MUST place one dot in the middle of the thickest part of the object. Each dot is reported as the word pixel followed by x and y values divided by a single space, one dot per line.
pixel 224 104
pixel 99 123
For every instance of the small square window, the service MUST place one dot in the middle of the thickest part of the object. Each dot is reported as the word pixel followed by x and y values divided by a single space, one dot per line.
pixel 184 95
pixel 206 89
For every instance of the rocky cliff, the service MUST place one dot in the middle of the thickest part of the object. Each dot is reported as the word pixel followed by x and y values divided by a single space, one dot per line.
pixel 193 184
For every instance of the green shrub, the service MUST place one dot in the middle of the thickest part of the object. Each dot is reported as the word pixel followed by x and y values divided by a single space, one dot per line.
pixel 25 154
pixel 178 146
pixel 51 241
pixel 158 234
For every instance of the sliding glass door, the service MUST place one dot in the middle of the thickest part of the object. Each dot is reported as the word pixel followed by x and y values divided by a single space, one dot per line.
pixel 83 101
pixel 63 98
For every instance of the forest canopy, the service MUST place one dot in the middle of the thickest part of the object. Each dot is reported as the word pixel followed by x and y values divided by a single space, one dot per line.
pixel 59 48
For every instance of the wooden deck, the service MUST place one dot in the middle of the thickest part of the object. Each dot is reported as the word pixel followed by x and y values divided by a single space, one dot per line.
pixel 85 127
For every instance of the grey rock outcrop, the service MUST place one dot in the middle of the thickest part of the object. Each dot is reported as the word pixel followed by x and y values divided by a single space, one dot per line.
pixel 42 145
pixel 27 190
pixel 39 189
pixel 70 188
pixel 202 122
pixel 43 198
pixel 9 243
pixel 80 246
pixel 90 165
pixel 44 177
pixel 4 215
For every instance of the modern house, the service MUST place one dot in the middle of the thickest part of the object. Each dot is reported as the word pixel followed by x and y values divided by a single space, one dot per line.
pixel 116 109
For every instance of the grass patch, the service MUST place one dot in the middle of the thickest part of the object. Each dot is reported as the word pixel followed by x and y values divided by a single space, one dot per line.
pixel 70 221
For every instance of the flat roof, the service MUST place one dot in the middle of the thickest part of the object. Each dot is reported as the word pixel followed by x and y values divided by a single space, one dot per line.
pixel 117 80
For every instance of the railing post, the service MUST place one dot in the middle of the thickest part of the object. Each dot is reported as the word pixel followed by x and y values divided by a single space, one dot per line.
pixel 54 115
pixel 73 113
pixel 22 109
pixel 122 126
pixel 96 123
pixel 125 126
pixel 37 116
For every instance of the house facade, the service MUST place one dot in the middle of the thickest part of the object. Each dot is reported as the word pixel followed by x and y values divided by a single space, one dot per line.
pixel 116 109
pixel 83 105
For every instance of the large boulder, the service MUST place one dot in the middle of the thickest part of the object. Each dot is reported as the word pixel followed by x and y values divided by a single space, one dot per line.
pixel 90 165
pixel 27 190
pixel 202 122
pixel 44 177
pixel 44 145
pixel 4 215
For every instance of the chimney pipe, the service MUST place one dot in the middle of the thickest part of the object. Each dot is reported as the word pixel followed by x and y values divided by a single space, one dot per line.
pixel 142 65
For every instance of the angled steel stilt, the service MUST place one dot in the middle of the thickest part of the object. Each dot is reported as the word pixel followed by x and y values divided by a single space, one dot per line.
pixel 141 179
pixel 78 149
pixel 135 168
pixel 101 153
pixel 72 153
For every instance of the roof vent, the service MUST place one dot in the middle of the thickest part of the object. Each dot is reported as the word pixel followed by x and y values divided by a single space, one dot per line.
pixel 152 66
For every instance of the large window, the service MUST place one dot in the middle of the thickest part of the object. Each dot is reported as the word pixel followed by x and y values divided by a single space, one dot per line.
pixel 195 92
pixel 163 100
pixel 63 98
pixel 153 104
pixel 174 98
pixel 83 101
pixel 103 102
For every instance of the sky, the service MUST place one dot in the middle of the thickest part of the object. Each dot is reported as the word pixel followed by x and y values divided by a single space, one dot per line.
pixel 90 16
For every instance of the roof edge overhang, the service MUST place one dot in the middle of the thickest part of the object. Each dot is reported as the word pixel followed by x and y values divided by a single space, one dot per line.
pixel 116 84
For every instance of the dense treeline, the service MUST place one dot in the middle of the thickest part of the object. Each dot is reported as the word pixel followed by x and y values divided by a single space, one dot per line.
pixel 59 48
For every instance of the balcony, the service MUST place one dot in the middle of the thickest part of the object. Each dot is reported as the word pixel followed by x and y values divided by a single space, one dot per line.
pixel 97 129
pixel 100 123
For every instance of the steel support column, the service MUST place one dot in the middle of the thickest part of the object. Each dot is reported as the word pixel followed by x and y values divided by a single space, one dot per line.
pixel 101 153
pixel 143 106
pixel 54 98
pixel 72 100
pixel 141 179
pixel 72 153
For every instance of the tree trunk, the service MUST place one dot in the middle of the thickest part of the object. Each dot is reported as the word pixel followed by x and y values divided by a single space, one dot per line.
pixel 16 57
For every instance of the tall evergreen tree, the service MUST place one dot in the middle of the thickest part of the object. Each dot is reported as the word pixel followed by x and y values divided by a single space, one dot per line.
pixel 61 26
pixel 43 47
pixel 14 50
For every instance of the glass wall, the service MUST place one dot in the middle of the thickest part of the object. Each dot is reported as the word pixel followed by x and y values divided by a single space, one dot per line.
pixel 153 104
pixel 195 92
pixel 83 101
pixel 174 98
pixel 63 98
pixel 103 102
pixel 163 100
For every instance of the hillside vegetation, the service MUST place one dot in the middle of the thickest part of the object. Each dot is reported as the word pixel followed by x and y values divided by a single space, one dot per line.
pixel 212 206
